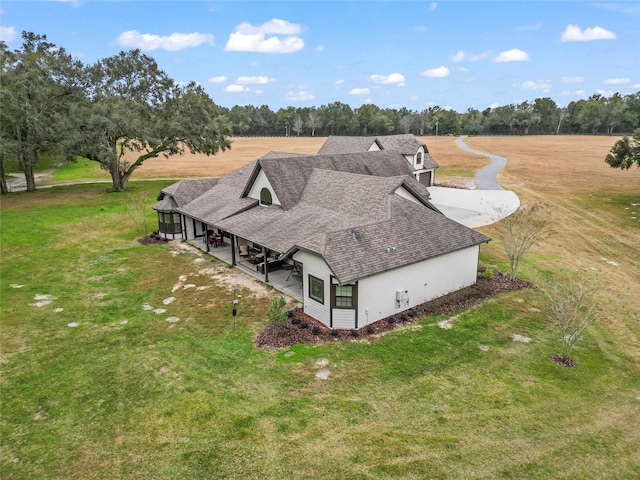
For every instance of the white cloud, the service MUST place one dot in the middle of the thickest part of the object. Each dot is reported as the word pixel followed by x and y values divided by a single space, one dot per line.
pixel 438 72
pixel 617 81
pixel 392 79
pixel 300 96
pixel 605 93
pixel 461 55
pixel 173 42
pixel 581 93
pixel 572 79
pixel 573 33
pixel 8 34
pixel 233 88
pixel 339 82
pixel 415 98
pixel 433 6
pixel 220 79
pixel 494 105
pixel 359 91
pixel 320 48
pixel 543 85
pixel 265 38
pixel 513 55
pixel 420 29
pixel 257 80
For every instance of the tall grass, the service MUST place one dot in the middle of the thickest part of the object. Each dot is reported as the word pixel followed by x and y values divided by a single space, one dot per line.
pixel 126 394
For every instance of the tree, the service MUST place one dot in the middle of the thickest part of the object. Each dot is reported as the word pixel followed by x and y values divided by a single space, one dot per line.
pixel 625 152
pixel 520 231
pixel 314 121
pixel 39 84
pixel 547 111
pixel 136 112
pixel 572 309
pixel 298 125
pixel 276 314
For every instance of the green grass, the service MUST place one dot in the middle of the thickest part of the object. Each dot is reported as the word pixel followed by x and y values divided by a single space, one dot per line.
pixel 80 171
pixel 126 394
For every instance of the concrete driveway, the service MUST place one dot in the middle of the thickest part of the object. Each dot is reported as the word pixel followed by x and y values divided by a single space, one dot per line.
pixel 485 205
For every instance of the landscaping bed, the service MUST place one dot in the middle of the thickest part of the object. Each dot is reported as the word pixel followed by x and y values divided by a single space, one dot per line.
pixel 301 328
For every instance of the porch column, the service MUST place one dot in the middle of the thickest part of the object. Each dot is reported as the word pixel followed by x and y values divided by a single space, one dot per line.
pixel 233 249
pixel 266 264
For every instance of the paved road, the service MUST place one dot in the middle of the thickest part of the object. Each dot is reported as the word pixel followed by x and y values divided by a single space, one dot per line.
pixel 485 205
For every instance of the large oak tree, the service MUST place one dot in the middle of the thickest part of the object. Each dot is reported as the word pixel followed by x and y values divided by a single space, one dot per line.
pixel 135 111
pixel 39 83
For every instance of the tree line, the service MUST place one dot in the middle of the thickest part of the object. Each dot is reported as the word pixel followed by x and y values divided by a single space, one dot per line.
pixel 123 110
pixel 596 115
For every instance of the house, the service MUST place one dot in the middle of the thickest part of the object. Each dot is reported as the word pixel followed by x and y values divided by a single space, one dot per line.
pixel 357 229
pixel 416 152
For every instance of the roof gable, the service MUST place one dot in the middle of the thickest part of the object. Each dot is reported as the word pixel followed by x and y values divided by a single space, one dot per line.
pixel 288 175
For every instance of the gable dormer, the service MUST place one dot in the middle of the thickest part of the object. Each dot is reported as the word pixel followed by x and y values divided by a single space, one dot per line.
pixel 262 190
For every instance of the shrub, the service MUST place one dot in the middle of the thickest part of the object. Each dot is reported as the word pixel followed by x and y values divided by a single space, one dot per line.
pixel 276 314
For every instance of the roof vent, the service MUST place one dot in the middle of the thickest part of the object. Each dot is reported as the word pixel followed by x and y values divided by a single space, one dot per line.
pixel 354 235
pixel 390 249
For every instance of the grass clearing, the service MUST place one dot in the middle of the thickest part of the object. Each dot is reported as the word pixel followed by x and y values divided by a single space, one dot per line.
pixel 126 394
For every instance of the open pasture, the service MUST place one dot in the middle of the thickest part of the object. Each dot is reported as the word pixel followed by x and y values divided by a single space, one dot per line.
pixel 103 377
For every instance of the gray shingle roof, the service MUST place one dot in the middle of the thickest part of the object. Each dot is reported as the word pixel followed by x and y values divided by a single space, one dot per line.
pixel 288 176
pixel 185 191
pixel 330 200
pixel 406 144
pixel 343 144
pixel 335 204
pixel 409 234
pixel 223 199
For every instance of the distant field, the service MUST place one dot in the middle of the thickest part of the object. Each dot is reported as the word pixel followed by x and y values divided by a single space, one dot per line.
pixel 96 383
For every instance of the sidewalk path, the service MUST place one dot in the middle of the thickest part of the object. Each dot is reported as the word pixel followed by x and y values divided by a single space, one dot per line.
pixel 485 205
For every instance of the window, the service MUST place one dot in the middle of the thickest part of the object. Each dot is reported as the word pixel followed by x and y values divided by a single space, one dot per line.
pixel 169 222
pixel 419 158
pixel 316 289
pixel 265 196
pixel 343 296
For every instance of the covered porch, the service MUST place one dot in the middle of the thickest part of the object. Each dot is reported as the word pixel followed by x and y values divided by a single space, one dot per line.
pixel 283 275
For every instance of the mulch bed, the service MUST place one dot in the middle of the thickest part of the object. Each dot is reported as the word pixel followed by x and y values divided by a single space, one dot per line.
pixel 301 328
pixel 152 239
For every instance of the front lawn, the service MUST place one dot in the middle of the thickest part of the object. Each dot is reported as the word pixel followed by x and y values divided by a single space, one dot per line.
pixel 101 383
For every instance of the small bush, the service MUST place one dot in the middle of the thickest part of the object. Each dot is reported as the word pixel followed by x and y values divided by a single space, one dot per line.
pixel 276 314
pixel 315 330
pixel 304 324
pixel 391 320
pixel 296 321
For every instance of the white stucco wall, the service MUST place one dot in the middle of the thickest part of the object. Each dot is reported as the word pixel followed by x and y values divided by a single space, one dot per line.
pixel 261 182
pixel 423 281
pixel 316 266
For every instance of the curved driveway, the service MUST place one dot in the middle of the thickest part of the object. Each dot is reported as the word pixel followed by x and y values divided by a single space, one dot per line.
pixel 485 205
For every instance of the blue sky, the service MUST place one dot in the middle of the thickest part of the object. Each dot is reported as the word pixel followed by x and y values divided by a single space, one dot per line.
pixel 415 54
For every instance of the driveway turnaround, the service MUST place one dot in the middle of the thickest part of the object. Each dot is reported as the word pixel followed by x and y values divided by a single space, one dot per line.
pixel 485 205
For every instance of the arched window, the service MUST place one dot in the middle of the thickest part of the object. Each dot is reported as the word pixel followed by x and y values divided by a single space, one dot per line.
pixel 265 196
